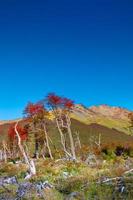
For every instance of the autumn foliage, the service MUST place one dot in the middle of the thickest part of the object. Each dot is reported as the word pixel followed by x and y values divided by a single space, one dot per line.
pixel 22 132
pixel 33 109
pixel 36 117
pixel 54 100
pixel 57 101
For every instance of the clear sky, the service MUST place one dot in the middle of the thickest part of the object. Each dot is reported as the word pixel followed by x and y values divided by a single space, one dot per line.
pixel 81 49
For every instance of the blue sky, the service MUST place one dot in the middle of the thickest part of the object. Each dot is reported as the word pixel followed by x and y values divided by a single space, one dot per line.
pixel 80 49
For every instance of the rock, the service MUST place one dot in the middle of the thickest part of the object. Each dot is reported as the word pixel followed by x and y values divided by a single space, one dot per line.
pixel 25 188
pixel 8 180
pixel 41 186
pixel 121 187
pixel 44 185
pixel 22 190
pixel 65 174
pixel 47 185
pixel 91 160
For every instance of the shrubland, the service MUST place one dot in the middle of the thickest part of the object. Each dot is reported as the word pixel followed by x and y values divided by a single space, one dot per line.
pixel 45 153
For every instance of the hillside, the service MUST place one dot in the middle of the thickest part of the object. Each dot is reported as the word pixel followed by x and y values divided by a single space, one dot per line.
pixel 110 122
pixel 111 117
pixel 106 170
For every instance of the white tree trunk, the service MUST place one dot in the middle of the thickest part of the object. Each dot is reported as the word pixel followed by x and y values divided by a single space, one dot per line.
pixel 47 142
pixel 62 140
pixel 29 162
pixel 71 137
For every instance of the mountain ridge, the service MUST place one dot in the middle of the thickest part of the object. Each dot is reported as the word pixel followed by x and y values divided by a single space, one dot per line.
pixel 109 116
pixel 115 112
pixel 112 111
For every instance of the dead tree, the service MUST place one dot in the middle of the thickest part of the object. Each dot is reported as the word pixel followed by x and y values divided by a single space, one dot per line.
pixel 28 161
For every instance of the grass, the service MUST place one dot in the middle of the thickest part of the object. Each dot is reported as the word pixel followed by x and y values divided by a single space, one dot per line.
pixel 68 177
pixel 119 124
pixel 81 179
pixel 102 126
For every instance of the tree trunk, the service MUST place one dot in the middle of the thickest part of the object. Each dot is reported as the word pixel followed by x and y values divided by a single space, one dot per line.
pixel 29 162
pixel 62 140
pixel 71 137
pixel 47 142
pixel 36 154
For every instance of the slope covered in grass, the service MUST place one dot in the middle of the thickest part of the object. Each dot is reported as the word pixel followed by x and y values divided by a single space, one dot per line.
pixel 85 132
pixel 111 117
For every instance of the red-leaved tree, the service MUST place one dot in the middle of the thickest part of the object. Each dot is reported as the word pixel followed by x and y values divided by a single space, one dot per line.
pixel 37 114
pixel 22 132
pixel 61 108
pixel 13 139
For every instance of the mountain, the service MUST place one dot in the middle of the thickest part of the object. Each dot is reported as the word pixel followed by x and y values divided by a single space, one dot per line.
pixel 111 122
pixel 8 121
pixel 111 117
pixel 103 111
pixel 108 111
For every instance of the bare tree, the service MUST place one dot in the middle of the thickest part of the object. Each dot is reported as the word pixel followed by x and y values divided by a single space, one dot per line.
pixel 28 161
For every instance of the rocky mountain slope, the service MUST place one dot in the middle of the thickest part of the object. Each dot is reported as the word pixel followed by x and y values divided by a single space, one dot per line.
pixel 108 111
pixel 111 117
pixel 101 111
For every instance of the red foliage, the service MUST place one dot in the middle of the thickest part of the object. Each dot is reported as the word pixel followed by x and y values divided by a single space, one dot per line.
pixel 54 100
pixel 68 103
pixel 22 132
pixel 33 109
